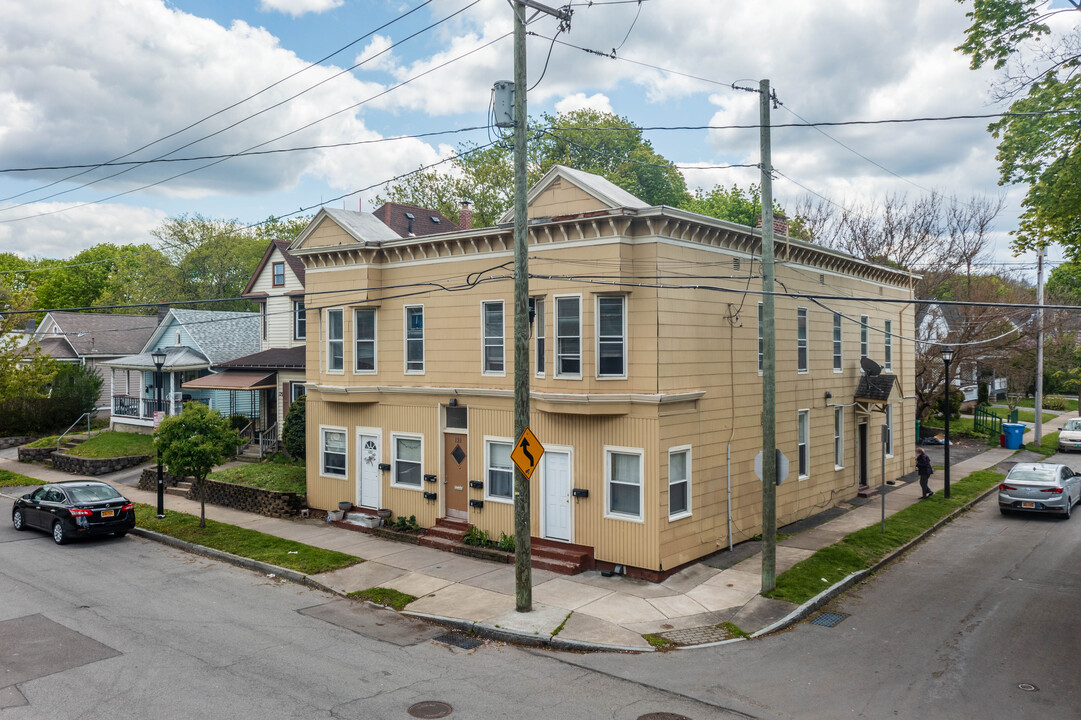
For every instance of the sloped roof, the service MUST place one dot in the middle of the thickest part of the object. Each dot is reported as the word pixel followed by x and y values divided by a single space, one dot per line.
pixel 424 222
pixel 278 358
pixel 235 380
pixel 103 333
pixel 58 348
pixel 604 190
pixel 294 263
pixel 218 335
pixel 176 358
pixel 875 387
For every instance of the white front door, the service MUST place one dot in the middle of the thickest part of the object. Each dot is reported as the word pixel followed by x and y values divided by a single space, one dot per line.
pixel 557 495
pixel 368 475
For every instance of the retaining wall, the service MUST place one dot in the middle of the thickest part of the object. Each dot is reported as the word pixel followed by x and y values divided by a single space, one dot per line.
pixel 94 466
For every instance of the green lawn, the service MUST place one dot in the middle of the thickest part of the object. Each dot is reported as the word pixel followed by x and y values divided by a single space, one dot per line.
pixel 1028 416
pixel 116 444
pixel 245 543
pixel 10 479
pixel 863 548
pixel 279 474
pixel 959 427
pixel 1048 445
pixel 1071 403
pixel 44 442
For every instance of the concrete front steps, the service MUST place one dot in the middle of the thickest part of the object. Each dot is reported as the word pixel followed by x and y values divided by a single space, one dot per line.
pixel 448 534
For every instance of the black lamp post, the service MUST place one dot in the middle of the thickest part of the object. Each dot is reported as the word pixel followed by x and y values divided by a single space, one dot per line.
pixel 947 356
pixel 158 356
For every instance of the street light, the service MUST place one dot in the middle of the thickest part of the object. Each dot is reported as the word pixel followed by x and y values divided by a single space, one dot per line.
pixel 158 356
pixel 947 356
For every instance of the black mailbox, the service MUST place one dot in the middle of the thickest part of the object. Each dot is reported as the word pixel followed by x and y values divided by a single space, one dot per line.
pixel 430 496
pixel 384 467
pixel 476 484
pixel 580 492
pixel 430 478
pixel 476 503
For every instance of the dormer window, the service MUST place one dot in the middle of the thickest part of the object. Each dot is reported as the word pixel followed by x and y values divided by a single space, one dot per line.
pixel 278 274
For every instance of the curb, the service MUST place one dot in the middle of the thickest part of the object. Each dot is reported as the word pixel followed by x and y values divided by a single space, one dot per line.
pixel 521 638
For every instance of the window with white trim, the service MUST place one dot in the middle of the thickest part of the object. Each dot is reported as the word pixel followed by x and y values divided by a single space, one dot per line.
pixel 263 317
pixel 492 326
pixel 407 454
pixel 300 321
pixel 364 338
pixel 679 482
pixel 801 339
pixel 333 460
pixel 568 337
pixel 889 430
pixel 838 438
pixel 802 430
pixel 887 357
pixel 863 336
pixel 414 339
pixel 612 336
pixel 837 345
pixel 623 482
pixel 761 339
pixel 335 340
pixel 499 470
pixel 278 274
pixel 540 359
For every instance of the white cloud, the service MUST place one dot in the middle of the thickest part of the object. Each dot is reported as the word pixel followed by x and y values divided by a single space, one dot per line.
pixel 63 234
pixel 579 101
pixel 296 8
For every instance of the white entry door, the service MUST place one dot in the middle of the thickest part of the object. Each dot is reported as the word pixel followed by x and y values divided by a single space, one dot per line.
pixel 557 495
pixel 368 475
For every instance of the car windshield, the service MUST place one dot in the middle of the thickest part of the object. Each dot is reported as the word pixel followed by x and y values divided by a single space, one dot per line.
pixel 92 493
pixel 1074 424
pixel 1033 474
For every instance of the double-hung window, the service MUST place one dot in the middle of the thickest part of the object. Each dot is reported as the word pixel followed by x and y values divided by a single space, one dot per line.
pixel 889 430
pixel 538 332
pixel 612 336
pixel 278 275
pixel 296 390
pixel 801 433
pixel 333 455
pixel 408 452
pixel 863 336
pixel 837 342
pixel 838 438
pixel 335 340
pixel 492 322
pixel 679 482
pixel 761 339
pixel 364 332
pixel 569 337
pixel 500 485
pixel 623 480
pixel 414 339
pixel 801 339
pixel 300 320
pixel 887 357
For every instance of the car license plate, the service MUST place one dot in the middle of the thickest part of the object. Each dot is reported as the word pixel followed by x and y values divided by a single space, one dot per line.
pixel 108 513
pixel 1028 505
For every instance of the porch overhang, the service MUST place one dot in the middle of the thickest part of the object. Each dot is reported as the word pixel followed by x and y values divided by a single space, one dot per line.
pixel 234 380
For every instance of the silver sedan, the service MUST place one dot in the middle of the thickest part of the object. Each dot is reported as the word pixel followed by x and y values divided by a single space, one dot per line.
pixel 1039 487
pixel 1069 438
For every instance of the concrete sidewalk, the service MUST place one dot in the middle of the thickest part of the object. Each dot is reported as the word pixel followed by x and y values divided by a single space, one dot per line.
pixel 589 610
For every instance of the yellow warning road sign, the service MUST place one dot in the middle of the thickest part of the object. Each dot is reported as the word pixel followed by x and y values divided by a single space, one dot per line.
pixel 527 453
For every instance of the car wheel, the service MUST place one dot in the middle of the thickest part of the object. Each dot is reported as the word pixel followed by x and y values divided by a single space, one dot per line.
pixel 120 534
pixel 59 535
pixel 1069 509
pixel 18 520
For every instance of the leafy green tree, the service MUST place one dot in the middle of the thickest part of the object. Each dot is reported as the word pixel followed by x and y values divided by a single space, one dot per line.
pixel 735 204
pixel 75 390
pixel 1064 283
pixel 294 437
pixel 193 443
pixel 24 371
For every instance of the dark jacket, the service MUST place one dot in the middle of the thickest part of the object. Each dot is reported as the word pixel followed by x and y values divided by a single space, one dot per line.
pixel 923 465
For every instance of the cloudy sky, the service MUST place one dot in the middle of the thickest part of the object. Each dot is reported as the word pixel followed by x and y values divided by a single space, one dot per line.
pixel 133 80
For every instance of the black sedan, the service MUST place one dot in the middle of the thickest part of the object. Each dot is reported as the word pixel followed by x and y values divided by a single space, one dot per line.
pixel 77 508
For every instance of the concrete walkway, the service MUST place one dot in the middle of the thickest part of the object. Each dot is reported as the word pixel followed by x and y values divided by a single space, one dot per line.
pixel 592 611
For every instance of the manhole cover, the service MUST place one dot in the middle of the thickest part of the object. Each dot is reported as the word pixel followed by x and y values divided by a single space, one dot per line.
pixel 663 716
pixel 430 709
pixel 1028 687
pixel 458 640
pixel 828 619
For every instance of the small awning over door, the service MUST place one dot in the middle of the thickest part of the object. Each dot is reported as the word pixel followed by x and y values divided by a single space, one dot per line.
pixel 235 380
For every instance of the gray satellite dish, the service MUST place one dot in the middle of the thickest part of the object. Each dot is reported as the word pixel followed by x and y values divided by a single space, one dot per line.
pixel 870 366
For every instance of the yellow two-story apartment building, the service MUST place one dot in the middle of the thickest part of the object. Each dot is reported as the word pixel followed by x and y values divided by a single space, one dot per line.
pixel 645 373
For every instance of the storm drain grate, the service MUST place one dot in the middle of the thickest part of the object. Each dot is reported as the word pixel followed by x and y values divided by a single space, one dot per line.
pixel 458 640
pixel 429 709
pixel 663 716
pixel 697 636
pixel 828 619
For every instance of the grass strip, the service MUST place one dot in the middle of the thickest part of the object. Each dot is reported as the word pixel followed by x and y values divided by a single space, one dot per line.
pixel 10 479
pixel 863 548
pixel 243 542
pixel 276 474
pixel 48 441
pixel 661 643
pixel 384 596
pixel 1048 445
pixel 115 444
pixel 562 624
pixel 733 630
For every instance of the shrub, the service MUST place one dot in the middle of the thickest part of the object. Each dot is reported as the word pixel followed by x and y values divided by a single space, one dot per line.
pixel 983 394
pixel 239 422
pixel 956 399
pixel 477 537
pixel 1055 402
pixel 506 542
pixel 293 429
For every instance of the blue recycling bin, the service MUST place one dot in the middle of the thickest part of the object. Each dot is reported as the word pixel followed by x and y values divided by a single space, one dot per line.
pixel 1015 433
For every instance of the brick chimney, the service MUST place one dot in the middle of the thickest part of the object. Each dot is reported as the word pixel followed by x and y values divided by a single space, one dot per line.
pixel 163 310
pixel 465 216
pixel 780 224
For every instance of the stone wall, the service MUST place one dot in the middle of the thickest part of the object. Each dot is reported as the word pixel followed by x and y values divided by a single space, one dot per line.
pixel 149 479
pixel 10 442
pixel 249 499
pixel 94 466
pixel 28 454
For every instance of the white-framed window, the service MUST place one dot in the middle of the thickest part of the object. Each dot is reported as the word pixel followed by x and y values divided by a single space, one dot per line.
pixel 889 430
pixel 679 482
pixel 612 336
pixel 300 321
pixel 761 340
pixel 863 336
pixel 802 430
pixel 332 460
pixel 498 470
pixel 364 339
pixel 493 332
pixel 801 339
pixel 407 454
pixel 278 274
pixel 887 357
pixel 568 324
pixel 838 438
pixel 336 340
pixel 623 483
pixel 296 390
pixel 837 358
pixel 540 360
pixel 414 339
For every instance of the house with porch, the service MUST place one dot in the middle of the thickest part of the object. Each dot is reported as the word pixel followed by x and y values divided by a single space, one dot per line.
pixel 645 379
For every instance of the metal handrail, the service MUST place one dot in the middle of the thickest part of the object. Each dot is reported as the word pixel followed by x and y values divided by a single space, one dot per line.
pixel 86 415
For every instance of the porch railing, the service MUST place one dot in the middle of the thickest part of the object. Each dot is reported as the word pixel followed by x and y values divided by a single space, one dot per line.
pixel 268 440
pixel 139 407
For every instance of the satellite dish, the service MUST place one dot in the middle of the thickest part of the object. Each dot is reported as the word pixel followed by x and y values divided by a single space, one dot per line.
pixel 870 366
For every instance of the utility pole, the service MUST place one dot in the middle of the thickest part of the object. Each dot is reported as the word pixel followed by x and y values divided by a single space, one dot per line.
pixel 769 358
pixel 523 573
pixel 1039 345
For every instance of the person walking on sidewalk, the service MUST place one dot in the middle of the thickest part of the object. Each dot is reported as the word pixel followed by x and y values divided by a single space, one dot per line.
pixel 923 467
